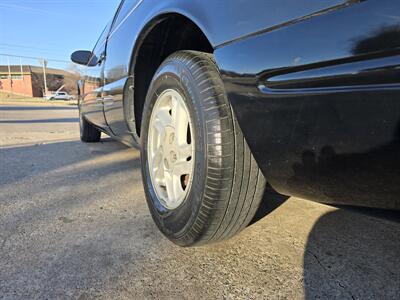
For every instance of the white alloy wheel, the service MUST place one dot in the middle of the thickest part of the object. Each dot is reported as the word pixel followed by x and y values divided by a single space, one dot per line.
pixel 201 182
pixel 170 149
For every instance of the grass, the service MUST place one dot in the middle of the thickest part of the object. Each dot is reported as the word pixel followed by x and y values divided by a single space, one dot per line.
pixel 7 97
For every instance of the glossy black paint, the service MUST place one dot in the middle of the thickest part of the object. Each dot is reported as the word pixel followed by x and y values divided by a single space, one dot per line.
pixel 82 57
pixel 221 21
pixel 314 85
pixel 318 102
pixel 91 100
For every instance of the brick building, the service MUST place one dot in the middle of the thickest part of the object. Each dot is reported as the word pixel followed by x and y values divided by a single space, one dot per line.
pixel 28 80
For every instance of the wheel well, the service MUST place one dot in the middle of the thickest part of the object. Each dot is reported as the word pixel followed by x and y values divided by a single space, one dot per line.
pixel 167 35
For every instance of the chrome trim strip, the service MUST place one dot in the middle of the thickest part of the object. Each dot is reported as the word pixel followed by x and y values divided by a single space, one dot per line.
pixel 115 86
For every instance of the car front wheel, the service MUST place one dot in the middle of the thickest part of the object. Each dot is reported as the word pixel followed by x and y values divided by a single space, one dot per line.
pixel 201 181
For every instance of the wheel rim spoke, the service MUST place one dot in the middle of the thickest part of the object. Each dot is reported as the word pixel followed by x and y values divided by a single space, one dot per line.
pixel 185 151
pixel 170 186
pixel 159 169
pixel 163 119
pixel 180 121
pixel 179 192
pixel 182 168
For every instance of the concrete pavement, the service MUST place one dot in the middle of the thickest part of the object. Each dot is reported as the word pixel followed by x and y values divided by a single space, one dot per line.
pixel 74 224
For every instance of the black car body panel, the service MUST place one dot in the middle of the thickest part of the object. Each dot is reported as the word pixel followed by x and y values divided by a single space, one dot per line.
pixel 318 102
pixel 314 86
pixel 221 21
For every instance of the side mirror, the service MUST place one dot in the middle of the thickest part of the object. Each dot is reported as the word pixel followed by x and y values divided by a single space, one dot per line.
pixel 82 57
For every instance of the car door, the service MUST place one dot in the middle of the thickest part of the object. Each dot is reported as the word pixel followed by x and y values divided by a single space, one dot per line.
pixel 93 82
pixel 117 83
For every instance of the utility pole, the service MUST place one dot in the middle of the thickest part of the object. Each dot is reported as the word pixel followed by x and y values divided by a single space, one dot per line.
pixel 9 73
pixel 44 62
pixel 20 64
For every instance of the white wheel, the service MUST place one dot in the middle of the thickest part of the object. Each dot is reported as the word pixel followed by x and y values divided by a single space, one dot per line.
pixel 170 149
pixel 201 182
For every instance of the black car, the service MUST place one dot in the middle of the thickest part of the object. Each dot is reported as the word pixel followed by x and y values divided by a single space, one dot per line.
pixel 225 97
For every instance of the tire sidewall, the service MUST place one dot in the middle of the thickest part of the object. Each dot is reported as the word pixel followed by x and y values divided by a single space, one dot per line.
pixel 173 74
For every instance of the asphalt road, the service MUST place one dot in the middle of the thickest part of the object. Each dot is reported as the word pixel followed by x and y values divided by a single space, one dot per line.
pixel 74 224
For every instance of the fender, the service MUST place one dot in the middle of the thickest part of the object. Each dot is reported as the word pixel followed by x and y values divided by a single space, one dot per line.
pixel 220 22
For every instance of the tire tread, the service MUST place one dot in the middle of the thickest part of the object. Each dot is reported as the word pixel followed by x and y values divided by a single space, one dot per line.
pixel 228 204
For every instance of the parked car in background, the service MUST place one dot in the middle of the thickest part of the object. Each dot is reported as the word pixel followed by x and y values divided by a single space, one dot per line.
pixel 59 96
pixel 224 97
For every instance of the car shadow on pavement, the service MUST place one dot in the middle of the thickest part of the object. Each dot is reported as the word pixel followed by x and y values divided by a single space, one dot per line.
pixel 18 162
pixel 271 200
pixel 350 253
pixel 353 254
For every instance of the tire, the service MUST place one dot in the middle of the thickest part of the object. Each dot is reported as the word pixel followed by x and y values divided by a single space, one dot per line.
pixel 88 133
pixel 227 186
pixel 52 98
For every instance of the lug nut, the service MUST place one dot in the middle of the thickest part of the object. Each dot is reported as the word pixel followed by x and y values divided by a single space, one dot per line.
pixel 174 157
pixel 166 163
